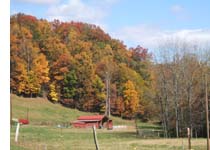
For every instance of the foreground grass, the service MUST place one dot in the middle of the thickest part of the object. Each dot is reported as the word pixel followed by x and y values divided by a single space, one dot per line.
pixel 45 137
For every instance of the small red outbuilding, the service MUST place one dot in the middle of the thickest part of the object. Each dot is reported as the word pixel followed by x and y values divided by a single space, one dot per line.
pixel 100 121
pixel 23 121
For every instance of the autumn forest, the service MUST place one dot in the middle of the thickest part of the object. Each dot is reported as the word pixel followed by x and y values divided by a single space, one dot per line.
pixel 80 66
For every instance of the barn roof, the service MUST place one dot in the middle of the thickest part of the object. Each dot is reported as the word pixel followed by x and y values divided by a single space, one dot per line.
pixel 96 118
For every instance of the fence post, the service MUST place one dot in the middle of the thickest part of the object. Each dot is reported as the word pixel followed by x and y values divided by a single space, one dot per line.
pixel 95 137
pixel 17 132
pixel 189 138
pixel 182 144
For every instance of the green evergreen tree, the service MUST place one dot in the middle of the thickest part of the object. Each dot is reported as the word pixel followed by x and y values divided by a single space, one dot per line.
pixel 70 83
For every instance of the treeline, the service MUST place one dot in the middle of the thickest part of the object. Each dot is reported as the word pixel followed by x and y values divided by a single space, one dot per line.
pixel 80 66
pixel 182 77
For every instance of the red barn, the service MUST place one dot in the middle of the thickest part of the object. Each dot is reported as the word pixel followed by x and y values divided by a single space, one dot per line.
pixel 100 121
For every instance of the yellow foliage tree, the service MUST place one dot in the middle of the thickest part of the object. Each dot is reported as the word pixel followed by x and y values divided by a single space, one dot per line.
pixel 131 99
pixel 53 94
pixel 33 86
pixel 41 69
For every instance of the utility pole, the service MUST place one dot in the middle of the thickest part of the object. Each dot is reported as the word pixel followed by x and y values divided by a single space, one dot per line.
pixel 207 113
pixel 10 112
pixel 107 112
pixel 27 113
pixel 109 97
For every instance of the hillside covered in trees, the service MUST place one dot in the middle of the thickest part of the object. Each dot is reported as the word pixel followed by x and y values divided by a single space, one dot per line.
pixel 80 66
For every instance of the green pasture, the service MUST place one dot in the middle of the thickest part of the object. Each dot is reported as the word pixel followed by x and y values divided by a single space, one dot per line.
pixel 43 132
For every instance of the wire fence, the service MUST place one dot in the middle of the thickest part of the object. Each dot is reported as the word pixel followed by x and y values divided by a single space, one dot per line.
pixel 55 137
pixel 150 133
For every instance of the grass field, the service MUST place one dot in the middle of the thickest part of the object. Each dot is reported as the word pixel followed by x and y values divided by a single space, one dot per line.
pixel 43 112
pixel 43 134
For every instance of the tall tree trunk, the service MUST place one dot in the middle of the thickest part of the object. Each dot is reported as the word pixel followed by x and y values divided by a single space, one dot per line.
pixel 166 104
pixel 166 113
pixel 189 98
pixel 175 82
pixel 163 118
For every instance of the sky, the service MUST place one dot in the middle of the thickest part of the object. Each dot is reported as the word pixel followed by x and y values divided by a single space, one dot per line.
pixel 135 22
